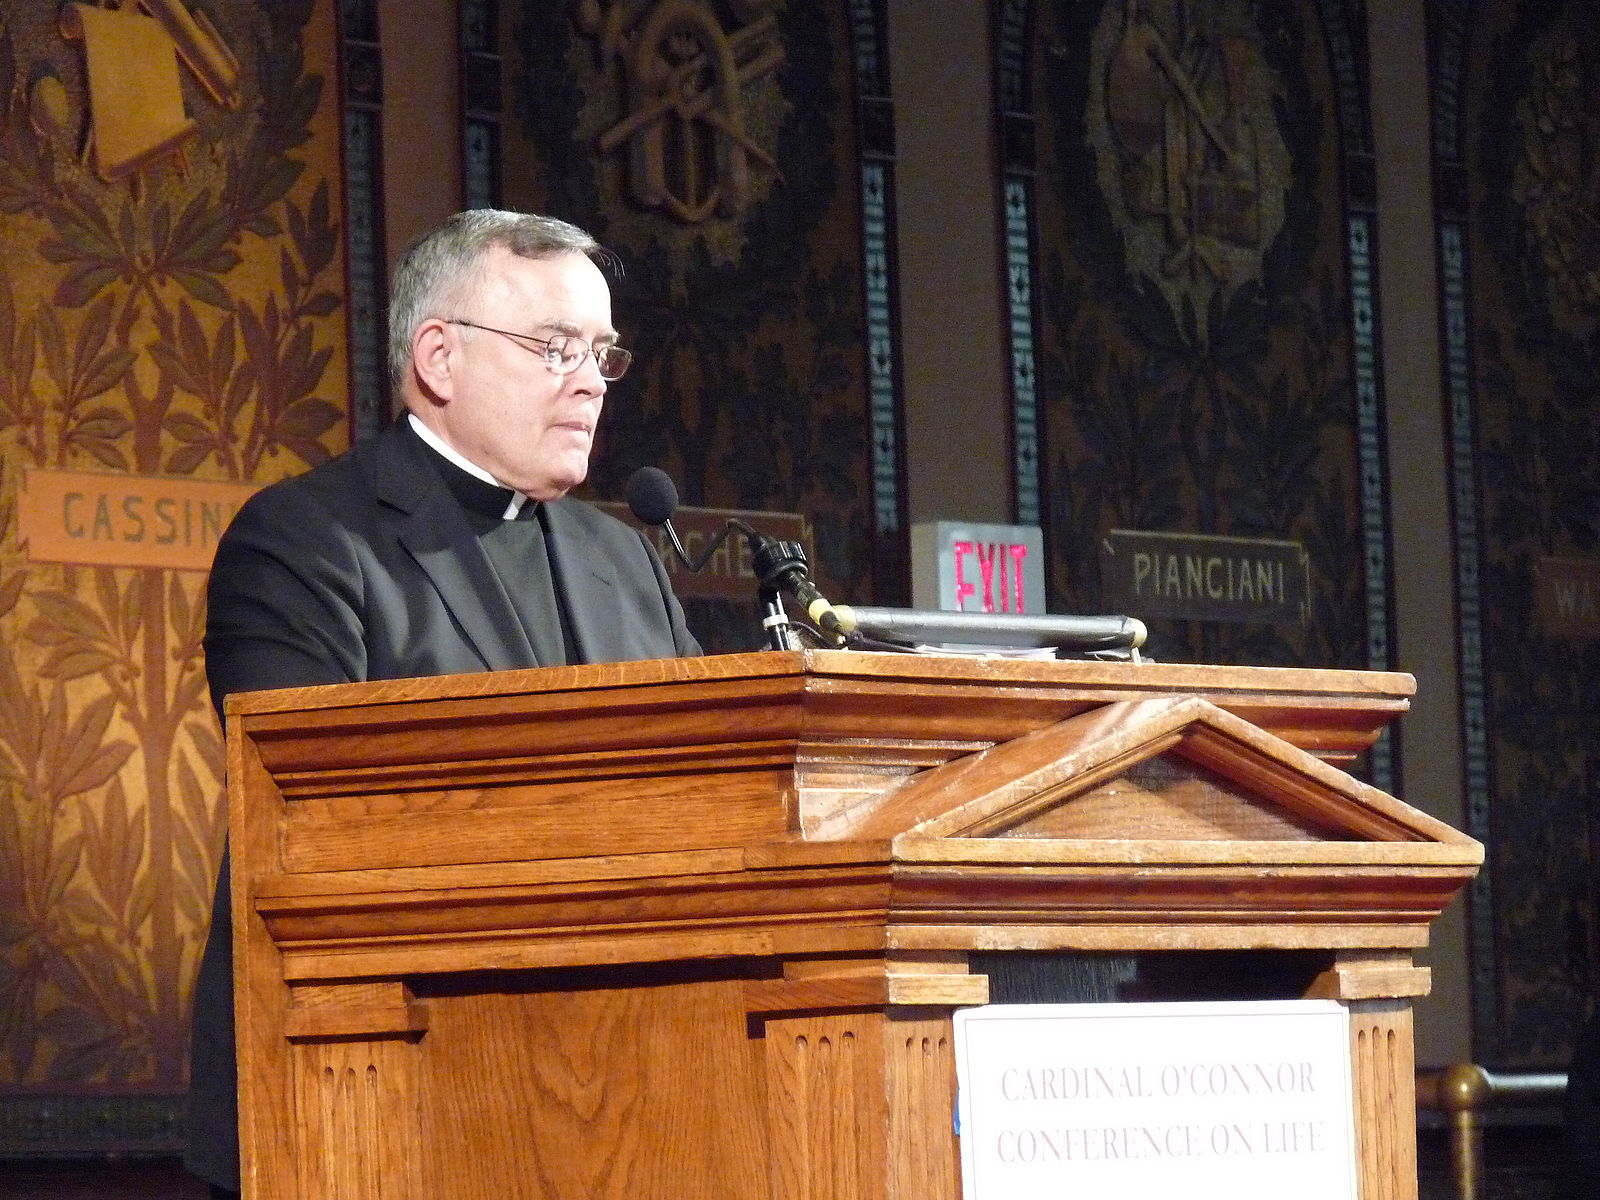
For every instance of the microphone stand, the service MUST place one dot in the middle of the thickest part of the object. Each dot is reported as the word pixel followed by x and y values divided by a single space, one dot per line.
pixel 775 624
pixel 776 627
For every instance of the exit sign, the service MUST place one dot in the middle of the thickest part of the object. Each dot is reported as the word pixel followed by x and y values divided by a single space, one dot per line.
pixel 958 566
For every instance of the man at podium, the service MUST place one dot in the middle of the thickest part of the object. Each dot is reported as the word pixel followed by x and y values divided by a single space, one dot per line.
pixel 446 543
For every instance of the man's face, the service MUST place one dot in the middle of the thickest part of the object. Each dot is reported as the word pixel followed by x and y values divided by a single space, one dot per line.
pixel 504 409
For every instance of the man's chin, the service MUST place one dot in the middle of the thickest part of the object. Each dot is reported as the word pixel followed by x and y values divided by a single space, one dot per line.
pixel 555 486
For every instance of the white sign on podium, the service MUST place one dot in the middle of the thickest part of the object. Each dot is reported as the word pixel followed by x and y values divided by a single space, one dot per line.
pixel 1240 1100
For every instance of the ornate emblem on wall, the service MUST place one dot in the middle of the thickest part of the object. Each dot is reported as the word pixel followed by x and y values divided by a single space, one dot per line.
pixel 690 115
pixel 1189 155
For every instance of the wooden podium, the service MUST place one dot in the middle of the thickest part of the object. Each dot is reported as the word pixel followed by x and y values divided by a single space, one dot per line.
pixel 695 928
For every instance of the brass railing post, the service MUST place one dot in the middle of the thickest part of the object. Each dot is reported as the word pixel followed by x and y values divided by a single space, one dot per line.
pixel 1463 1092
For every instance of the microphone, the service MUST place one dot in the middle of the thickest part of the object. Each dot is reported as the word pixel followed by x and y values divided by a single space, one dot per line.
pixel 779 565
pixel 652 496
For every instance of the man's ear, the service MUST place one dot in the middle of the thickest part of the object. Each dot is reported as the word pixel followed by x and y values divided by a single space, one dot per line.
pixel 433 359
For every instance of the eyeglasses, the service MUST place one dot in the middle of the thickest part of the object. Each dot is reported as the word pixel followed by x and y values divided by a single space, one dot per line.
pixel 563 353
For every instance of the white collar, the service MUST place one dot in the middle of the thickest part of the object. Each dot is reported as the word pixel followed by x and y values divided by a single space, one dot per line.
pixel 471 468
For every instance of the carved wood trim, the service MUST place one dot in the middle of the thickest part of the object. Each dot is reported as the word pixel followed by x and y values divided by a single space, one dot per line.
pixel 1383 1064
pixel 825 1110
pixel 998 789
pixel 862 1106
pixel 924 1155
pixel 1368 976
pixel 833 984
pixel 357 1135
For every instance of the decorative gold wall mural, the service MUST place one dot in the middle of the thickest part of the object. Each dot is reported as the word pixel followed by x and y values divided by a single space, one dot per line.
pixel 171 337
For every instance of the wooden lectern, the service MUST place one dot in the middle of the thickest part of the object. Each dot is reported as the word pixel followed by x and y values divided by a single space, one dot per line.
pixel 695 928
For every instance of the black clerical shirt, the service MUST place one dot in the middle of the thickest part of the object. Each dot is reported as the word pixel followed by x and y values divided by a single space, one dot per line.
pixel 517 548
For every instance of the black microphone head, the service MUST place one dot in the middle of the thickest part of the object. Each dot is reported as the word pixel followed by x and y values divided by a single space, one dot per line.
pixel 652 495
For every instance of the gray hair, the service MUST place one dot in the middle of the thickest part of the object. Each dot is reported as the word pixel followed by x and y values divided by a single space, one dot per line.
pixel 442 263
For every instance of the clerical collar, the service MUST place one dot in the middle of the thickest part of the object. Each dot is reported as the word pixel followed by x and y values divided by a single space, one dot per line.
pixel 516 499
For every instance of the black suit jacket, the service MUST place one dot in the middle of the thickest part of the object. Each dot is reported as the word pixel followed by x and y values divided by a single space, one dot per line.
pixel 366 568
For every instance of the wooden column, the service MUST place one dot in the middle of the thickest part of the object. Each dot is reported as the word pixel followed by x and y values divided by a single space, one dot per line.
pixel 355 1079
pixel 860 1076
pixel 1377 990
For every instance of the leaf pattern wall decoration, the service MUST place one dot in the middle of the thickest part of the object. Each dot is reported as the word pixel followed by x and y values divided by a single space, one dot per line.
pixel 1531 139
pixel 180 326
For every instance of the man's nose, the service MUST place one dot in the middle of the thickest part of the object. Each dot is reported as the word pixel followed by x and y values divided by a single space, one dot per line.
pixel 588 376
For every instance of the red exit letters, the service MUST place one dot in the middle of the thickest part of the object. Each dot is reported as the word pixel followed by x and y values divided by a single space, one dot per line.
pixel 999 572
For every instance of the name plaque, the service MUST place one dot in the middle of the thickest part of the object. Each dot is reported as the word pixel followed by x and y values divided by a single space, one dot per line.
pixel 1243 1100
pixel 1201 577
pixel 1566 595
pixel 111 519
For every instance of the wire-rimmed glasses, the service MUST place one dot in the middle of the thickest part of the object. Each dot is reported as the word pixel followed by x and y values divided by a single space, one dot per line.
pixel 563 353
